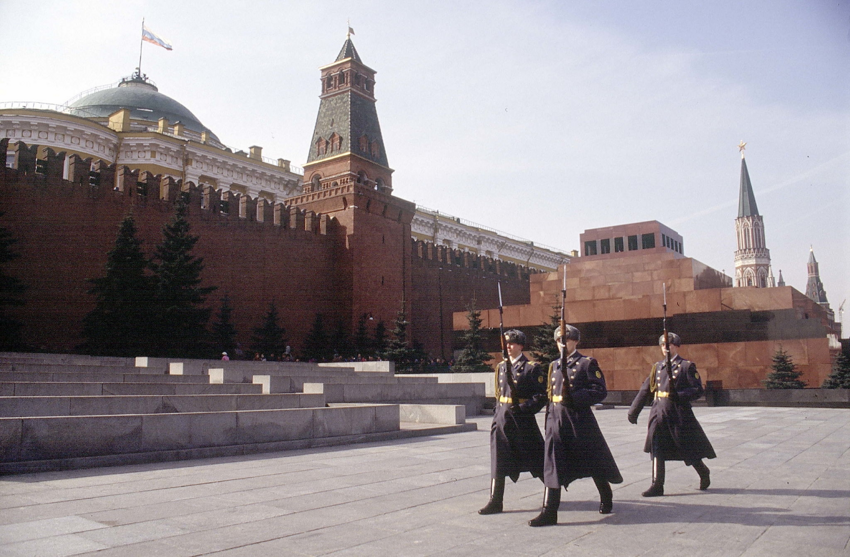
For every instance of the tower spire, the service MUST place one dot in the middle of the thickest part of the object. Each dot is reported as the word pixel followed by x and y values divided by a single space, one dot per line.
pixel 752 258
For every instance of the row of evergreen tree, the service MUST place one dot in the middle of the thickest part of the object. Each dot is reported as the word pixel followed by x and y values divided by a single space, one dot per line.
pixel 150 306
pixel 157 307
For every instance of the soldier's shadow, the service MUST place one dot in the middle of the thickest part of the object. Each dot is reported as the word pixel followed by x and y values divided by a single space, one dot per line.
pixel 666 509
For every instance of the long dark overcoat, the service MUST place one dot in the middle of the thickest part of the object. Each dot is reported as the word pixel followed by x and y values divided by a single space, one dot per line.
pixel 672 424
pixel 575 447
pixel 516 444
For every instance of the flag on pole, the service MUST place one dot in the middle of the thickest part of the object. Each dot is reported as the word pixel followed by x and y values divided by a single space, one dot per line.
pixel 350 30
pixel 151 37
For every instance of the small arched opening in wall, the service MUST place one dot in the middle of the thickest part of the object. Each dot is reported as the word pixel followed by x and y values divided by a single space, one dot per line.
pixel 315 183
pixel 362 178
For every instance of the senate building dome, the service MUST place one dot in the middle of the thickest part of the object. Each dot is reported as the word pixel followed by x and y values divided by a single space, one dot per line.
pixel 142 98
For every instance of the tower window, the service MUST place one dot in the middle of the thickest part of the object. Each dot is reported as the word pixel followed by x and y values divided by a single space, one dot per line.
pixel 648 241
pixel 363 143
pixel 618 244
pixel 590 247
pixel 633 243
pixel 605 246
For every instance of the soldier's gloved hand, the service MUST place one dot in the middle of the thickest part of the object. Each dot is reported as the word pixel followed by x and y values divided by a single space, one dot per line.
pixel 633 418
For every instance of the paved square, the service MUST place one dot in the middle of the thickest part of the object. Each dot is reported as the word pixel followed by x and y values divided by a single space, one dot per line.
pixel 780 487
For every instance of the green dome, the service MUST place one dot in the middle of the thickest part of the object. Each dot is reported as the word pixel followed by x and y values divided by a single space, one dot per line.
pixel 143 100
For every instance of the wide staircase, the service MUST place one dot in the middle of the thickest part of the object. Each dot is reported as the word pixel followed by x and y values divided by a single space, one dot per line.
pixel 62 411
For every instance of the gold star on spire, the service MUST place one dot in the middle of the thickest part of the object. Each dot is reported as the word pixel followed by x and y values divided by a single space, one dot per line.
pixel 741 147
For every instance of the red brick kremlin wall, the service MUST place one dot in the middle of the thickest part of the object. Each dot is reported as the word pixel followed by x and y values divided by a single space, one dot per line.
pixel 253 251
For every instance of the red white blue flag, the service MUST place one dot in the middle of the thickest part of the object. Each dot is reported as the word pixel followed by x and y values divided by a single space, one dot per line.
pixel 151 37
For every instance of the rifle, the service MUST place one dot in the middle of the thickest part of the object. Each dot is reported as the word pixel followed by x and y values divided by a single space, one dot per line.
pixel 667 344
pixel 509 375
pixel 566 393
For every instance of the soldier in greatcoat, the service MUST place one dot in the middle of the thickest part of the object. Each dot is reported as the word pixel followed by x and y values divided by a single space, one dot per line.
pixel 674 432
pixel 516 444
pixel 575 446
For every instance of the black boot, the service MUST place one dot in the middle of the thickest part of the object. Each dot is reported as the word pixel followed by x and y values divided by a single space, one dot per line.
pixel 606 496
pixel 657 488
pixel 497 493
pixel 704 474
pixel 549 515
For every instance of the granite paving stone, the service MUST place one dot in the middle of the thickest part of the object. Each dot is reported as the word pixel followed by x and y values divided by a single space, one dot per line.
pixel 780 487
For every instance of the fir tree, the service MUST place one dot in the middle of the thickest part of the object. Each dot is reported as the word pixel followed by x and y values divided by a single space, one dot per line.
pixel 121 322
pixel 223 330
pixel 784 374
pixel 340 343
pixel 473 358
pixel 316 343
pixel 544 348
pixel 270 337
pixel 379 343
pixel 11 294
pixel 840 376
pixel 361 337
pixel 398 349
pixel 181 315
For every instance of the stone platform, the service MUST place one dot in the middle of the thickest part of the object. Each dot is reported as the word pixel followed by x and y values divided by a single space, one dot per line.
pixel 63 411
pixel 780 488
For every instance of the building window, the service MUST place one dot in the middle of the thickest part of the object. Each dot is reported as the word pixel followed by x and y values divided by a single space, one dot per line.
pixel 590 247
pixel 605 246
pixel 648 240
pixel 633 242
pixel 618 245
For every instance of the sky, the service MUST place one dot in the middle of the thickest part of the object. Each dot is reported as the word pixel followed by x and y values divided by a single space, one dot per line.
pixel 541 119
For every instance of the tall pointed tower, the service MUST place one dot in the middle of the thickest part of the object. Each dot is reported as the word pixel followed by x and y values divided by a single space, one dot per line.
pixel 752 258
pixel 814 287
pixel 347 176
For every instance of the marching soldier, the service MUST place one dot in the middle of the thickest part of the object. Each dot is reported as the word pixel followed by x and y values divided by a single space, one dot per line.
pixel 516 444
pixel 575 447
pixel 674 432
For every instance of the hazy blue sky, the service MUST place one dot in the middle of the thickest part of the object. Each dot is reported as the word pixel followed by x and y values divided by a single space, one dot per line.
pixel 537 118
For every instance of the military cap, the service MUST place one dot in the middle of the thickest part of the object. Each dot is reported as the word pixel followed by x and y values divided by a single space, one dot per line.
pixel 572 333
pixel 675 339
pixel 515 336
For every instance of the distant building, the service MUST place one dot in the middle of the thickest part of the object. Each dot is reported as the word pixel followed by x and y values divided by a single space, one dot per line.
pixel 615 294
pixel 332 239
pixel 133 125
pixel 617 304
pixel 814 286
pixel 639 238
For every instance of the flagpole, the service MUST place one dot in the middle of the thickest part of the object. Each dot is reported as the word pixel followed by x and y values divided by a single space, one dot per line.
pixel 141 43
